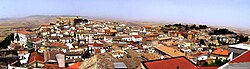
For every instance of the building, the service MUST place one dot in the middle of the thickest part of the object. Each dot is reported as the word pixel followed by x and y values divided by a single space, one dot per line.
pixel 169 63
pixel 36 60
pixel 219 53
pixel 137 38
pixel 238 49
pixel 163 50
pixel 22 36
pixel 72 57
pixel 107 61
pixel 240 62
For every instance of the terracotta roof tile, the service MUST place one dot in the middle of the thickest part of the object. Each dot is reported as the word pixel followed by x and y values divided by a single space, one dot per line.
pixel 97 50
pixel 34 39
pixel 151 56
pixel 24 32
pixel 51 66
pixel 137 36
pixel 57 44
pixel 149 39
pixel 242 58
pixel 75 65
pixel 171 51
pixel 96 44
pixel 132 53
pixel 35 57
pixel 152 35
pixel 45 25
pixel 199 53
pixel 220 51
pixel 148 27
pixel 171 63
pixel 208 67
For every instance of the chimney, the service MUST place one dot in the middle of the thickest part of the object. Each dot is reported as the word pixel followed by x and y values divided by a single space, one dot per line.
pixel 45 56
pixel 60 60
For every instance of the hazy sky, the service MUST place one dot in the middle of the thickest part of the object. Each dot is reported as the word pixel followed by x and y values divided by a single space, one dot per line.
pixel 235 13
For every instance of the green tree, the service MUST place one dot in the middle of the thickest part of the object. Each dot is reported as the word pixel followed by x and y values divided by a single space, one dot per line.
pixel 17 37
pixel 6 42
pixel 219 62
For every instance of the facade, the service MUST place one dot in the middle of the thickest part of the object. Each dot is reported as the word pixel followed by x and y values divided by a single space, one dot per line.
pixel 22 36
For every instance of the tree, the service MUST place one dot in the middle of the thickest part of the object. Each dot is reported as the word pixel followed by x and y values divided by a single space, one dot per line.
pixel 219 62
pixel 6 42
pixel 202 42
pixel 221 31
pixel 17 37
pixel 242 39
pixel 202 26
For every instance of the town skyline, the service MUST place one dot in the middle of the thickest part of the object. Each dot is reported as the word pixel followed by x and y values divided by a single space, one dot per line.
pixel 223 13
pixel 124 34
pixel 74 42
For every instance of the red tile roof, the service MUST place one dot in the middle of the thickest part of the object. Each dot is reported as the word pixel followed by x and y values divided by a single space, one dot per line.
pixel 51 66
pixel 199 53
pixel 137 36
pixel 97 50
pixel 45 25
pixel 57 44
pixel 107 31
pixel 181 32
pixel 96 44
pixel 208 67
pixel 34 39
pixel 245 57
pixel 152 35
pixel 148 27
pixel 171 63
pixel 24 32
pixel 220 51
pixel 149 38
pixel 75 65
pixel 35 57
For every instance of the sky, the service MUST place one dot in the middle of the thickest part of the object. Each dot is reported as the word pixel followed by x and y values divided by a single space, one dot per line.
pixel 232 13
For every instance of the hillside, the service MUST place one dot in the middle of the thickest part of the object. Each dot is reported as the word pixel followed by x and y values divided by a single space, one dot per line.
pixel 6 24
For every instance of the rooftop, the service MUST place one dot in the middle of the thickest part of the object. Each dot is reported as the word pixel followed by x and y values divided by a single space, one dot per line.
pixel 171 52
pixel 170 63
pixel 151 56
pixel 24 32
pixel 220 51
pixel 242 58
pixel 241 46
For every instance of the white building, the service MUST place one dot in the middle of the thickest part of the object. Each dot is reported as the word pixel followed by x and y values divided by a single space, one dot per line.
pixel 137 38
pixel 22 36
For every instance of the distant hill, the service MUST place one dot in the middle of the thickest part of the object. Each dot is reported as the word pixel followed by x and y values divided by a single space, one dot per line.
pixel 35 20
pixel 30 21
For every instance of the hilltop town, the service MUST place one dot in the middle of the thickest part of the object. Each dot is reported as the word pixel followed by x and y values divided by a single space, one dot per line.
pixel 78 43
